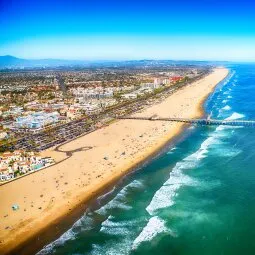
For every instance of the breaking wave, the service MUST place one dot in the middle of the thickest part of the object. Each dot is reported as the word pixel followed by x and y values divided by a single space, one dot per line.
pixel 164 197
pixel 235 116
pixel 84 223
pixel 109 226
pixel 154 227
pixel 226 108
pixel 119 201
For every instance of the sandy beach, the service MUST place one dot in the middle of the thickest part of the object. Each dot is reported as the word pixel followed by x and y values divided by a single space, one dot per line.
pixel 48 195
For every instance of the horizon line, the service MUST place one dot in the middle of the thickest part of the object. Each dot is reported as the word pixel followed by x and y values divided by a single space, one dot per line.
pixel 131 59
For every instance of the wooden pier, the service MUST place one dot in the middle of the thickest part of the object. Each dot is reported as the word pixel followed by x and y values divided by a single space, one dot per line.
pixel 208 121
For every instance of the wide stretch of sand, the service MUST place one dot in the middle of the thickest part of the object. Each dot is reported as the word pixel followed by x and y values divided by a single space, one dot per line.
pixel 45 196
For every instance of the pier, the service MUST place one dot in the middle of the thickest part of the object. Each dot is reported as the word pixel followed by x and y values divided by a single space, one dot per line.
pixel 207 121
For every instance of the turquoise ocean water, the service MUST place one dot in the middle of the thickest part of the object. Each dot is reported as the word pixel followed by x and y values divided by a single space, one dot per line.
pixel 197 197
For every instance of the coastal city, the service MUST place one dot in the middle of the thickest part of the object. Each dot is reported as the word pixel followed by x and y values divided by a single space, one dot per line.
pixel 127 127
pixel 42 109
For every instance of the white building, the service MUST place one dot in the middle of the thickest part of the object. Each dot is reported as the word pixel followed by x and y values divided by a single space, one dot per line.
pixel 37 120
pixel 91 108
pixel 150 85
pixel 92 93
pixel 6 174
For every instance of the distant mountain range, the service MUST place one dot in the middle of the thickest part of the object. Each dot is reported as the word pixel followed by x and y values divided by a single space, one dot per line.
pixel 11 62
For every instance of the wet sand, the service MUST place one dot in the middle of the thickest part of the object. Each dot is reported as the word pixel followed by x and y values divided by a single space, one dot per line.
pixel 47 196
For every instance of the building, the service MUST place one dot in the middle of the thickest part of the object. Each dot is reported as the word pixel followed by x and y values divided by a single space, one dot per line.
pixel 13 164
pixel 91 108
pixel 73 112
pixel 157 81
pixel 6 174
pixel 37 120
pixel 176 78
pixel 166 81
pixel 162 81
pixel 150 85
pixel 83 94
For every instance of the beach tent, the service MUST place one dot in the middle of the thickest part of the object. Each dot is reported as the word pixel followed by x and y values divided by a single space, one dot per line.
pixel 15 207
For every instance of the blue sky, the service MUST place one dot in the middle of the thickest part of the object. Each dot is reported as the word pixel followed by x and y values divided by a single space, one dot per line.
pixel 179 29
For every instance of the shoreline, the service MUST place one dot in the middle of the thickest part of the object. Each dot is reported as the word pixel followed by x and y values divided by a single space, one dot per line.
pixel 67 217
pixel 67 220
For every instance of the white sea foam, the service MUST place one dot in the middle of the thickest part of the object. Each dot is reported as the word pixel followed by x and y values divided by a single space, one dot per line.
pixel 172 150
pixel 230 97
pixel 69 235
pixel 164 197
pixel 226 108
pixel 106 194
pixel 224 101
pixel 154 227
pixel 223 127
pixel 122 229
pixel 111 248
pixel 135 184
pixel 109 226
pixel 223 131
pixel 84 223
pixel 226 81
pixel 119 200
pixel 202 151
pixel 235 116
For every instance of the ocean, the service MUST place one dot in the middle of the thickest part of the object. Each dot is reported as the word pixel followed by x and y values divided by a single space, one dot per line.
pixel 196 197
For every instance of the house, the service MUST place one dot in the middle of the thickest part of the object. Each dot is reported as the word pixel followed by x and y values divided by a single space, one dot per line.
pixel 47 161
pixel 6 174
pixel 8 157
pixel 20 162
pixel 24 167
pixel 11 156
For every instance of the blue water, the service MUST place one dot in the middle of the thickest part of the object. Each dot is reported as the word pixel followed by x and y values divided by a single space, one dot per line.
pixel 196 198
